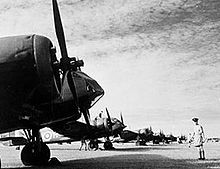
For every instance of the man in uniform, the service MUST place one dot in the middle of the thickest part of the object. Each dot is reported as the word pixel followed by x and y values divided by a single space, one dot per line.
pixel 198 138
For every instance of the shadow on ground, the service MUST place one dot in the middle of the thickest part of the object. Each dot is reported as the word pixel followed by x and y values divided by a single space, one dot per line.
pixel 128 149
pixel 137 161
pixel 144 148
pixel 140 161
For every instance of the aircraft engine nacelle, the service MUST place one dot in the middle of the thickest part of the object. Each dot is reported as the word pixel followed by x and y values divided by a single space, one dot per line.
pixel 45 62
pixel 142 131
pixel 26 68
pixel 101 124
pixel 27 75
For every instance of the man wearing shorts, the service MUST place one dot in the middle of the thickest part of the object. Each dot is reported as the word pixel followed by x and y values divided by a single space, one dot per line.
pixel 198 138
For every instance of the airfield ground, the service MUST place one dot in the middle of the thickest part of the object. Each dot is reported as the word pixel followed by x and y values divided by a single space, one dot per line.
pixel 124 156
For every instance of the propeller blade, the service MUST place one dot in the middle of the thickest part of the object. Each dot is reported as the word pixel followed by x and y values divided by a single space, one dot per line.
pixel 122 121
pixel 109 119
pixel 86 116
pixel 60 36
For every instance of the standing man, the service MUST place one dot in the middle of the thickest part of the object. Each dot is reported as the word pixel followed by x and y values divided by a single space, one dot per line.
pixel 198 138
pixel 83 143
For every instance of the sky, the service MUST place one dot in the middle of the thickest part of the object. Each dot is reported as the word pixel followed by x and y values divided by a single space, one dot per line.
pixel 157 61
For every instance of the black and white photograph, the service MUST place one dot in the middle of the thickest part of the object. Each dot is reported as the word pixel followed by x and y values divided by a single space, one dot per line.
pixel 110 84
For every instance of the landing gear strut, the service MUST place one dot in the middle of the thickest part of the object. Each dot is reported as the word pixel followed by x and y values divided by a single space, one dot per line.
pixel 35 152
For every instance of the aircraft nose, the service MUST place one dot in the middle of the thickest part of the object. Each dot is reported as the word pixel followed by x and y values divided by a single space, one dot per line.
pixel 95 91
pixel 91 91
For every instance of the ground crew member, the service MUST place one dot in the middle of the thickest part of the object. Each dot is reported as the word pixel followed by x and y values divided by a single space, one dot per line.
pixel 198 138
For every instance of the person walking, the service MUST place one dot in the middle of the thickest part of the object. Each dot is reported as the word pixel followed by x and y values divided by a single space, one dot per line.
pixel 83 143
pixel 198 138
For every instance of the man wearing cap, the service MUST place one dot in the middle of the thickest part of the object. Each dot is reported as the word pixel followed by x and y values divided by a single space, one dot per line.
pixel 198 138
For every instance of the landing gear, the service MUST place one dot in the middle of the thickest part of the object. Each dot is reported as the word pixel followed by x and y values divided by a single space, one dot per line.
pixel 35 152
pixel 156 142
pixel 108 145
pixel 140 143
pixel 93 145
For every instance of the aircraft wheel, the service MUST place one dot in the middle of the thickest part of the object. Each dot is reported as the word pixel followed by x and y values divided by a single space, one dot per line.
pixel 108 145
pixel 33 154
pixel 140 143
pixel 156 142
pixel 93 145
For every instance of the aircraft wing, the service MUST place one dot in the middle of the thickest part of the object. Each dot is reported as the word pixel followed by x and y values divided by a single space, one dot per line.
pixel 13 141
pixel 127 136
pixel 48 136
pixel 61 141
pixel 77 130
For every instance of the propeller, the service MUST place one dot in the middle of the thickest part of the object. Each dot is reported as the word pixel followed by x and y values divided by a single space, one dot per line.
pixel 67 63
pixel 86 116
pixel 109 119
pixel 122 121
pixel 65 60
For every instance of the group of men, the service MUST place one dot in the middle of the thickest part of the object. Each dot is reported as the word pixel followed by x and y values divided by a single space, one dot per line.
pixel 92 145
pixel 84 143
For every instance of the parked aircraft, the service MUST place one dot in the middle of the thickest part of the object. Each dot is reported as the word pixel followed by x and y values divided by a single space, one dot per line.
pixel 39 91
pixel 100 127
pixel 73 131
pixel 140 136
pixel 169 138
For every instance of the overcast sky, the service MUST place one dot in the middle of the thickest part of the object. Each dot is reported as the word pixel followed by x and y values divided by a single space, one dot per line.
pixel 158 62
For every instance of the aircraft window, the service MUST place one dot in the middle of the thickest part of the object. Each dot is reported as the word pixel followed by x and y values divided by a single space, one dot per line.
pixel 89 88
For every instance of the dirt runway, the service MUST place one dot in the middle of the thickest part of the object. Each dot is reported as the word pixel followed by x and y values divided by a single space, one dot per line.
pixel 124 156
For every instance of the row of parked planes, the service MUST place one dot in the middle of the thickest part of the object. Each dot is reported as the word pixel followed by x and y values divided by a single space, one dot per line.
pixel 39 90
pixel 109 128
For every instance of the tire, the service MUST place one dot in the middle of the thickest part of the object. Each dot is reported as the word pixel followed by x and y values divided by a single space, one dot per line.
pixel 93 145
pixel 33 154
pixel 141 143
pixel 108 145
